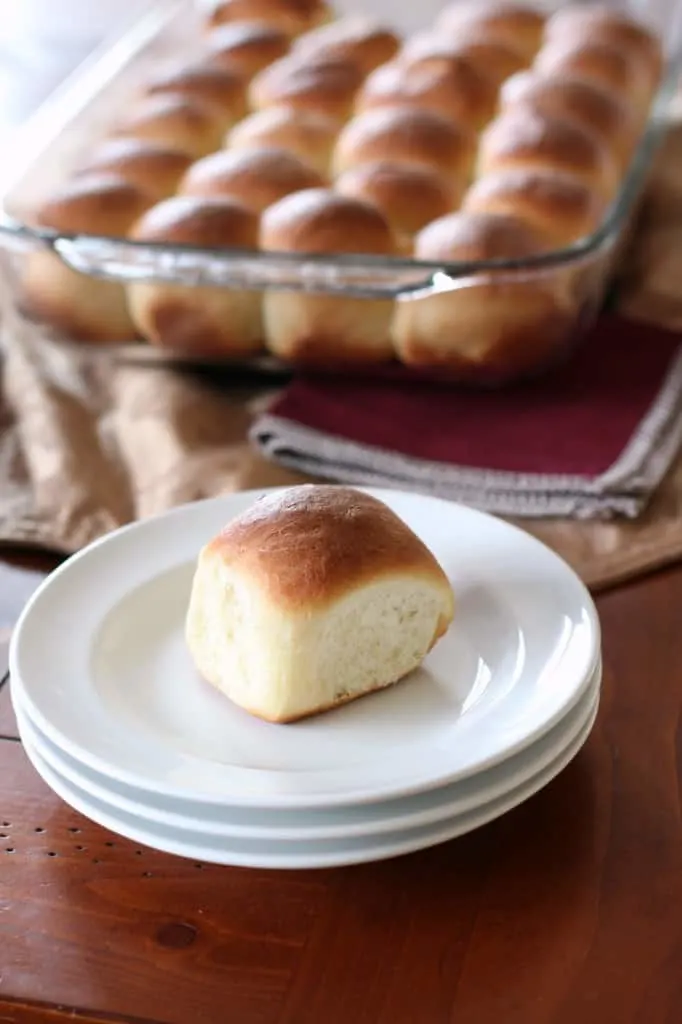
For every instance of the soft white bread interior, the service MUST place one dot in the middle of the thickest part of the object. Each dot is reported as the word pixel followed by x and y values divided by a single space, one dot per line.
pixel 315 596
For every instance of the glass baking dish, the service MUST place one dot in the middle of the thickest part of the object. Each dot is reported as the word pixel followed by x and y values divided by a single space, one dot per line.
pixel 51 143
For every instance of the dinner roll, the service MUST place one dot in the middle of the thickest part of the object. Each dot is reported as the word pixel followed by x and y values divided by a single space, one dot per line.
pixel 245 47
pixel 287 620
pixel 485 324
pixel 599 63
pixel 291 16
pixel 325 330
pixel 405 135
pixel 489 57
pixel 563 207
pixel 192 127
pixel 200 321
pixel 155 169
pixel 222 90
pixel 446 85
pixel 602 24
pixel 570 99
pixel 82 307
pixel 408 196
pixel 321 86
pixel 518 25
pixel 524 138
pixel 358 39
pixel 307 135
pixel 255 177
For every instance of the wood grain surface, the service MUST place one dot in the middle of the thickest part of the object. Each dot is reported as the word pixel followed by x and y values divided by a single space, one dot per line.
pixel 567 910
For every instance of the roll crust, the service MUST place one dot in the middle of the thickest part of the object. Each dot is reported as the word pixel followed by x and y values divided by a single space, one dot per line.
pixel 443 84
pixel 519 26
pixel 523 138
pixel 176 121
pixel 563 207
pixel 216 87
pixel 581 102
pixel 408 196
pixel 358 39
pixel 306 135
pixel 155 169
pixel 298 546
pixel 246 47
pixel 406 135
pixel 255 177
pixel 291 16
pixel 324 86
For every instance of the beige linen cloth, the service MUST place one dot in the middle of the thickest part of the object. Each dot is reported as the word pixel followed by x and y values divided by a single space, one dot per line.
pixel 88 443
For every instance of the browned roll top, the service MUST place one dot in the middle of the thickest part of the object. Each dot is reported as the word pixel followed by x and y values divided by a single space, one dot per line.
pixel 561 206
pixel 358 39
pixel 95 204
pixel 406 135
pixel 524 138
pixel 448 85
pixel 246 47
pixel 155 169
pixel 518 25
pixel 257 178
pixel 408 196
pixel 291 16
pixel 324 86
pixel 221 89
pixel 321 221
pixel 208 223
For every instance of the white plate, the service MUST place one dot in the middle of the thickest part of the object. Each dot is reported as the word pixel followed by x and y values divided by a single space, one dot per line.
pixel 314 854
pixel 99 662
pixel 365 820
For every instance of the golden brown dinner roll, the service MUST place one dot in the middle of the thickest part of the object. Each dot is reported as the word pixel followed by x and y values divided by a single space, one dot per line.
pixel 255 177
pixel 563 207
pixel 571 99
pixel 222 90
pixel 599 63
pixel 83 308
pixel 446 85
pixel 358 39
pixel 174 121
pixel 308 136
pixel 523 138
pixel 408 196
pixel 321 86
pixel 291 16
pixel 155 169
pixel 198 321
pixel 245 47
pixel 326 329
pixel 602 24
pixel 490 57
pixel 485 324
pixel 334 595
pixel 405 135
pixel 520 26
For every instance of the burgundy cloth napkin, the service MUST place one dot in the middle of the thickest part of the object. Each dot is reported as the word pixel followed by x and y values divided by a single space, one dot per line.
pixel 592 439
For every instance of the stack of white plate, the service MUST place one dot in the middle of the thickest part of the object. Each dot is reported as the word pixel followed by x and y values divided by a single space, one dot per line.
pixel 115 719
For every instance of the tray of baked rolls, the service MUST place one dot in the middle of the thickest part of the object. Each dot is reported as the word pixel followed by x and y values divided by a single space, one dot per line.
pixel 430 188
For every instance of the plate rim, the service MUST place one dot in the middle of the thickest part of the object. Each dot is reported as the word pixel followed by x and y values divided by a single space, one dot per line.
pixel 446 808
pixel 435 836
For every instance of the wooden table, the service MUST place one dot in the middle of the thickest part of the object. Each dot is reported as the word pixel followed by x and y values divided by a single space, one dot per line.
pixel 566 911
